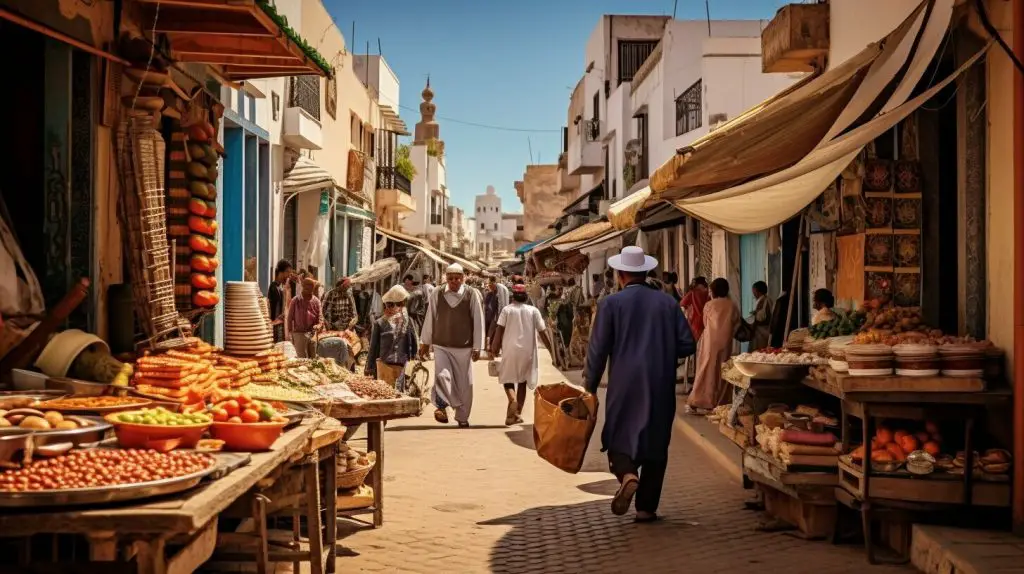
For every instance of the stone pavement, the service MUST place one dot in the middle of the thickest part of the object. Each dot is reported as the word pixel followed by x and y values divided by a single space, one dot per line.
pixel 480 500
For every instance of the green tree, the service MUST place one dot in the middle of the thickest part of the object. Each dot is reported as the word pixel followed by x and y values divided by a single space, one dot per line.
pixel 403 164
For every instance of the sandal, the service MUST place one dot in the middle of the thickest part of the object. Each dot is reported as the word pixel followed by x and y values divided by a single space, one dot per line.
pixel 510 414
pixel 624 496
pixel 645 517
pixel 463 424
pixel 441 416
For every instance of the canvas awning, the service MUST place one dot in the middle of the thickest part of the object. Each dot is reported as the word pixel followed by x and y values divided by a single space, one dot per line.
pixel 376 271
pixel 581 233
pixel 466 263
pixel 305 176
pixel 773 199
pixel 522 249
pixel 780 133
pixel 246 39
pixel 413 242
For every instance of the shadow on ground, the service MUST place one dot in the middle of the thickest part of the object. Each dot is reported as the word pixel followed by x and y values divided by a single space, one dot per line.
pixel 450 427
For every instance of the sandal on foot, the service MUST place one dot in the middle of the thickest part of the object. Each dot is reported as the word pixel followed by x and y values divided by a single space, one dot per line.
pixel 624 496
pixel 463 424
pixel 510 415
pixel 441 416
pixel 645 517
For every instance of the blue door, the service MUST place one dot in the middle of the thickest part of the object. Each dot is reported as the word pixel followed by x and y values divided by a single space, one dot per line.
pixel 753 267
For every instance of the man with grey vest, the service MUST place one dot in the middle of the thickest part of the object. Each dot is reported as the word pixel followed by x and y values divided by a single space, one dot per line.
pixel 454 326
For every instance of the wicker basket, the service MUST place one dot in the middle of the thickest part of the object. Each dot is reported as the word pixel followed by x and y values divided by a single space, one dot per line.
pixel 353 478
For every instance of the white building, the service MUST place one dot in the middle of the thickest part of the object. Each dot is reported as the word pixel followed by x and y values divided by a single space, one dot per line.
pixel 495 230
pixel 429 187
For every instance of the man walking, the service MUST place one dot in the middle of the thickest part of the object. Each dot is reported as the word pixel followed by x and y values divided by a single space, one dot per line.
pixel 641 331
pixel 515 339
pixel 304 318
pixel 416 304
pixel 276 295
pixel 454 326
pixel 340 307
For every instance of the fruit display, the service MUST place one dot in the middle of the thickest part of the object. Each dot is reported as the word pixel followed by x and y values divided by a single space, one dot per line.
pixel 91 403
pixel 238 408
pixel 201 172
pixel 844 323
pixel 160 416
pixel 33 419
pixel 101 467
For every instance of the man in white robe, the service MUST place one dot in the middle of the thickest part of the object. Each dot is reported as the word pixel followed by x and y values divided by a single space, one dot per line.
pixel 515 340
pixel 454 326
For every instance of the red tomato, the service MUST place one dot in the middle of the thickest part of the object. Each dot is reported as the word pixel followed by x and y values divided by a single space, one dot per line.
pixel 244 399
pixel 231 407
pixel 250 416
pixel 220 415
pixel 234 420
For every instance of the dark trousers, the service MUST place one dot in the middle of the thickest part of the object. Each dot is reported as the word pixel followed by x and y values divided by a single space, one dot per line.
pixel 652 477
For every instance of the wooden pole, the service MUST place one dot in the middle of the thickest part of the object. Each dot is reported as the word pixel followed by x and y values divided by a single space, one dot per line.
pixel 1018 280
pixel 796 275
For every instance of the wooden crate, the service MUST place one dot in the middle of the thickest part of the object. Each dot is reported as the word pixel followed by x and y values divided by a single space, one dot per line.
pixel 935 488
pixel 796 40
pixel 815 520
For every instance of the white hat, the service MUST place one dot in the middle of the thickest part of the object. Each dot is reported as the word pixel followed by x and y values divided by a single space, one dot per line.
pixel 632 259
pixel 396 294
pixel 454 268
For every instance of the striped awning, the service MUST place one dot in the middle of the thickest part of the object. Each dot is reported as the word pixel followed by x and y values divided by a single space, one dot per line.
pixel 583 232
pixel 307 176
pixel 413 242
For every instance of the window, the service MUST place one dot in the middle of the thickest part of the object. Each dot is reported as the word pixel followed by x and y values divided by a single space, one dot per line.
pixel 482 227
pixel 689 110
pixel 275 106
pixel 495 226
pixel 331 96
pixel 641 131
pixel 596 116
pixel 632 55
pixel 305 94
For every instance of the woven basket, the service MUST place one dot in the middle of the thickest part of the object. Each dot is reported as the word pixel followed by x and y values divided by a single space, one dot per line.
pixel 353 478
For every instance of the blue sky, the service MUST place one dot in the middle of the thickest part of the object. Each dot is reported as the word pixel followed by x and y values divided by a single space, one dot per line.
pixel 507 64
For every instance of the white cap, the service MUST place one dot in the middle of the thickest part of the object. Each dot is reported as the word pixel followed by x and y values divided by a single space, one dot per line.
pixel 454 268
pixel 632 259
pixel 396 294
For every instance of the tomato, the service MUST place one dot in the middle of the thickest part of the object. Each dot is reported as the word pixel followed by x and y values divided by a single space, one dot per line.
pixel 220 415
pixel 250 416
pixel 244 399
pixel 234 420
pixel 231 407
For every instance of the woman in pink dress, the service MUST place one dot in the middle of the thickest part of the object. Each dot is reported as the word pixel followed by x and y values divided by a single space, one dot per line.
pixel 721 317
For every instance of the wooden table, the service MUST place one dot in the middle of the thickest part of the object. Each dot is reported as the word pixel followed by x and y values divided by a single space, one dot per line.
pixel 911 398
pixel 374 414
pixel 145 530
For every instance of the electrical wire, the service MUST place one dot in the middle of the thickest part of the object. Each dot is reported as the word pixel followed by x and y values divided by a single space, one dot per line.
pixel 987 24
pixel 152 54
pixel 475 124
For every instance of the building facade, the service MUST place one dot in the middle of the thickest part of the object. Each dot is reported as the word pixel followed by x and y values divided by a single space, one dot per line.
pixel 429 186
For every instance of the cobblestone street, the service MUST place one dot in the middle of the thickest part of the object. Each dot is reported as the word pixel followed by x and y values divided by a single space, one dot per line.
pixel 480 500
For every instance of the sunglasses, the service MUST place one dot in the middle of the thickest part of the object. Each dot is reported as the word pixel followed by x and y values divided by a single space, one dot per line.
pixel 392 305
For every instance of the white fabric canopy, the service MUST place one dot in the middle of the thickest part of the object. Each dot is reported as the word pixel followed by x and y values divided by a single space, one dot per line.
pixel 782 194
pixel 307 176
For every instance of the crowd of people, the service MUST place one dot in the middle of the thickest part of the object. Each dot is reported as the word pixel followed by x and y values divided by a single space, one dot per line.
pixel 467 317
pixel 455 324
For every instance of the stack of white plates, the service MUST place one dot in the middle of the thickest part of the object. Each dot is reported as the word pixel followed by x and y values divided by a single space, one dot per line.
pixel 246 329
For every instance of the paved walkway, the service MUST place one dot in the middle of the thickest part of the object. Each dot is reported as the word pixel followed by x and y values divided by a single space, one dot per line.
pixel 480 500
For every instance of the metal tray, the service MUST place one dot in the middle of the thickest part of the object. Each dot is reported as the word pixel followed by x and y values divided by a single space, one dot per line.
pixel 84 434
pixel 106 494
pixel 34 395
pixel 143 403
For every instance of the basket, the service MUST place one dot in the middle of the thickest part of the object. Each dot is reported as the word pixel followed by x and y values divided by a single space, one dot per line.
pixel 353 478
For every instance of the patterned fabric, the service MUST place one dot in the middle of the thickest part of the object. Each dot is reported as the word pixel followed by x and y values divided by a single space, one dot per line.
pixel 303 314
pixel 339 309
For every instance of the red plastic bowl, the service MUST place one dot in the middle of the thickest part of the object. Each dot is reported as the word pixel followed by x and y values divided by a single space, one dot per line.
pixel 157 437
pixel 247 437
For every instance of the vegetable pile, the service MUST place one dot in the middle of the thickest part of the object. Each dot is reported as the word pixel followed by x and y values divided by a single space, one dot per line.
pixel 160 416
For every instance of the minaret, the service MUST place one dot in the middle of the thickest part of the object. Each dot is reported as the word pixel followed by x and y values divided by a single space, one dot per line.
pixel 427 129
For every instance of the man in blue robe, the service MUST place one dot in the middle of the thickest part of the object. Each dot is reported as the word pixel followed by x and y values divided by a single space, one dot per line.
pixel 642 332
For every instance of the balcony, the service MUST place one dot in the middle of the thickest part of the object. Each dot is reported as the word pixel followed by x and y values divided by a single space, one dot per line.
pixel 393 191
pixel 301 130
pixel 796 40
pixel 585 154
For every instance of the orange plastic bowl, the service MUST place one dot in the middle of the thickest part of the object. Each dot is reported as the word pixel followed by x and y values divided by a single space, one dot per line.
pixel 157 437
pixel 247 437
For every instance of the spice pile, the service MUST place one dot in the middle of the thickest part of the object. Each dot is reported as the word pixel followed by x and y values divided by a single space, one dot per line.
pixel 372 389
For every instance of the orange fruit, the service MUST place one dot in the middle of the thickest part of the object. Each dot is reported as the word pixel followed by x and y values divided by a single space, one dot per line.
pixel 235 420
pixel 250 416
